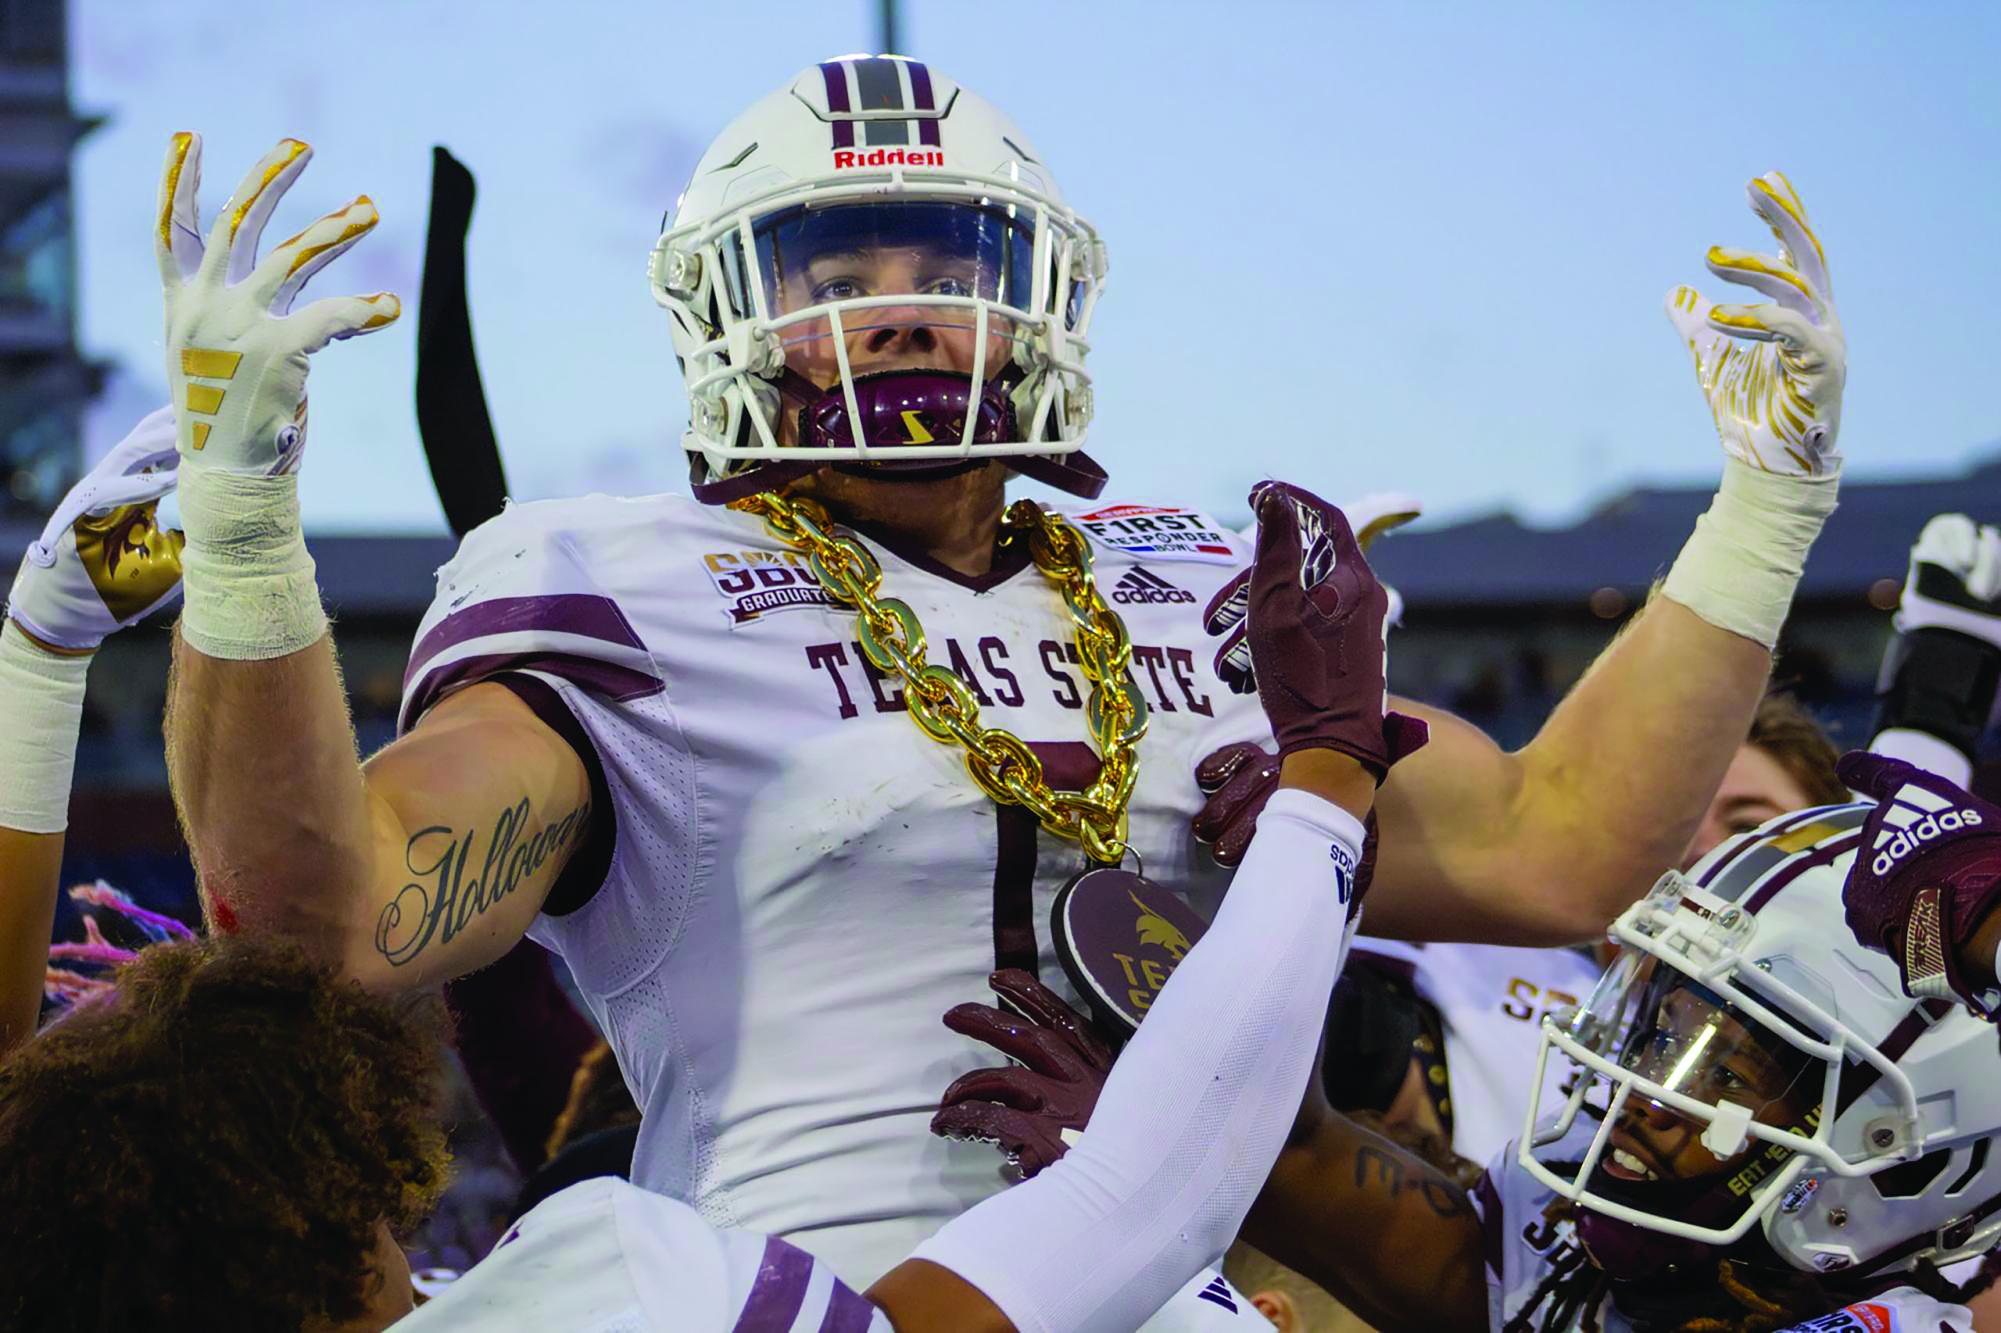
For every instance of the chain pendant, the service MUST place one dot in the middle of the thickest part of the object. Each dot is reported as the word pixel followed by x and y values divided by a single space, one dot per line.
pixel 946 710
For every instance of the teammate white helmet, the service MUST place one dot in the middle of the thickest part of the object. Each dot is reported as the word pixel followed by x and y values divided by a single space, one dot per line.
pixel 1748 1075
pixel 872 267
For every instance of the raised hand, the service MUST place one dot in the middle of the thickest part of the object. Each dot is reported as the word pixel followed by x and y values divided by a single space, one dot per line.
pixel 1308 619
pixel 236 350
pixel 103 562
pixel 1927 874
pixel 1030 1109
pixel 1772 373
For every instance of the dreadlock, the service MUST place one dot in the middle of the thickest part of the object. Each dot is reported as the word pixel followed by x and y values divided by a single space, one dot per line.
pixel 1761 1314
pixel 1574 1290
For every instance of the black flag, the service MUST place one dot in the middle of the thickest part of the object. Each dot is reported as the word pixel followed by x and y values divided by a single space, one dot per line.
pixel 452 418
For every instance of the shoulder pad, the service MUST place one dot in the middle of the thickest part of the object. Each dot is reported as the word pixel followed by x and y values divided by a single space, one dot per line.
pixel 519 596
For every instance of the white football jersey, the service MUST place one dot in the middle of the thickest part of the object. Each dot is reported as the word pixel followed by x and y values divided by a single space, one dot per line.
pixel 1491 1000
pixel 803 883
pixel 605 1257
pixel 1528 1231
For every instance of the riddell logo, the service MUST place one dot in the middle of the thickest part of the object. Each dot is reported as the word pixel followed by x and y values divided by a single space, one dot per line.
pixel 1892 848
pixel 890 157
pixel 1140 586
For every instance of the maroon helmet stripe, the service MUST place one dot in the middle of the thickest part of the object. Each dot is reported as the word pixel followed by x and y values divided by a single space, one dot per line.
pixel 836 76
pixel 1823 854
pixel 1797 817
pixel 920 86
pixel 1858 1076
pixel 923 99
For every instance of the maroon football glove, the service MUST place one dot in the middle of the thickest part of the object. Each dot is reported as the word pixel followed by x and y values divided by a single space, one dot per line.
pixel 1238 780
pixel 1927 873
pixel 1025 1107
pixel 1304 627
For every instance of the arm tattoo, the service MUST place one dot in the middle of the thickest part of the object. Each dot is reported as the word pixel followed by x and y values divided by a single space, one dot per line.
pixel 438 901
pixel 1374 1167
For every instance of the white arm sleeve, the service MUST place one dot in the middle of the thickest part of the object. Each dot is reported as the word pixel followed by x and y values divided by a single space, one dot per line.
pixel 1195 1111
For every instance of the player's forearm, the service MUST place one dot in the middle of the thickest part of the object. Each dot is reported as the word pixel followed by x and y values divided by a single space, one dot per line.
pixel 1195 1110
pixel 1617 779
pixel 30 864
pixel 1547 845
pixel 41 712
pixel 1388 1234
pixel 262 759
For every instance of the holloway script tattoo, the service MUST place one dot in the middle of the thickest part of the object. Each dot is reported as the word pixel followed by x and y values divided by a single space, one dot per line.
pixel 439 901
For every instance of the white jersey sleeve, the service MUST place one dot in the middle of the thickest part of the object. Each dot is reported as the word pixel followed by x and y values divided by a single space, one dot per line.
pixel 519 597
pixel 1490 1000
pixel 605 1257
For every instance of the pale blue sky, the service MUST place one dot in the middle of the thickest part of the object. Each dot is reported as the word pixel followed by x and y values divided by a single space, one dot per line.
pixel 1409 246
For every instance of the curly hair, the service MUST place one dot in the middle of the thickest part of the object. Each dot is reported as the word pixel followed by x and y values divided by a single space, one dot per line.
pixel 214 1143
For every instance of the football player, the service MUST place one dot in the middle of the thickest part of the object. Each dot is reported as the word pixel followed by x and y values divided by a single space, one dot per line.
pixel 1765 1122
pixel 778 779
pixel 101 562
pixel 1185 1128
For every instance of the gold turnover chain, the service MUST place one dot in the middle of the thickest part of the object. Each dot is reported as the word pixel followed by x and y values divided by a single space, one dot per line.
pixel 940 702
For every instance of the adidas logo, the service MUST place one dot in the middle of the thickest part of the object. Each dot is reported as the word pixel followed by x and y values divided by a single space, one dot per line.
pixel 1140 586
pixel 1933 817
pixel 1344 871
pixel 1218 1293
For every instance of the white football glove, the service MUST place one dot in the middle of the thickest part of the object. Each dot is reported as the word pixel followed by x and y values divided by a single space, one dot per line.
pixel 1372 516
pixel 1954 581
pixel 103 562
pixel 1772 373
pixel 236 351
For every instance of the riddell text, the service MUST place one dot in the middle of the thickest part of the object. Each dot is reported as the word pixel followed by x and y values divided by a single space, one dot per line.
pixel 890 157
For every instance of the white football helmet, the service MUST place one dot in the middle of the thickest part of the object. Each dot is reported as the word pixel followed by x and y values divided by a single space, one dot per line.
pixel 872 267
pixel 1853 1125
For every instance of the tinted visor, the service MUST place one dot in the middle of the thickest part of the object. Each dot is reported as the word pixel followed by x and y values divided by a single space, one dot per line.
pixel 1696 1044
pixel 815 255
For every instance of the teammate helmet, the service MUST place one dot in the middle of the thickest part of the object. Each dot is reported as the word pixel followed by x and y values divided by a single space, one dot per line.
pixel 872 267
pixel 1855 1126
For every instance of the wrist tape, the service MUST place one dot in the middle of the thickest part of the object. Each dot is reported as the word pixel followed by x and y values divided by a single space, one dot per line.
pixel 1739 568
pixel 249 582
pixel 41 710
